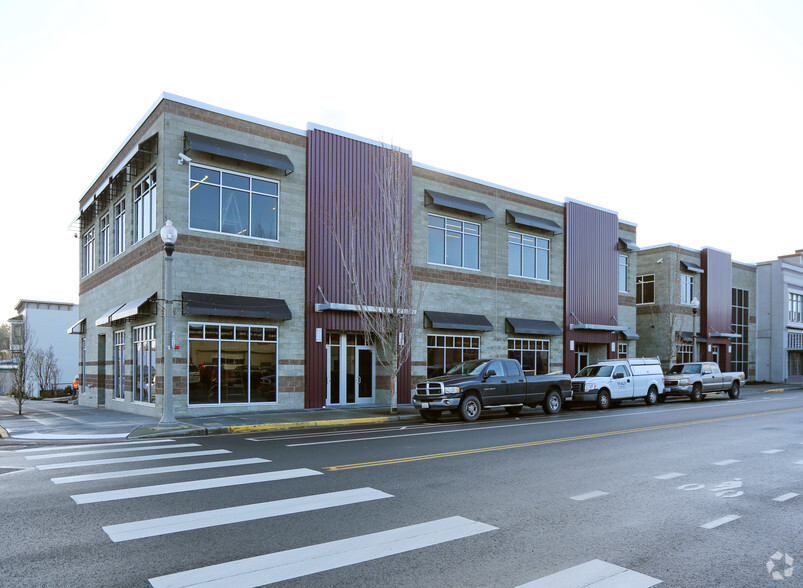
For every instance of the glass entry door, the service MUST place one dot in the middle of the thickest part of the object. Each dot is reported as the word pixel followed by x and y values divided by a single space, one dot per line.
pixel 351 369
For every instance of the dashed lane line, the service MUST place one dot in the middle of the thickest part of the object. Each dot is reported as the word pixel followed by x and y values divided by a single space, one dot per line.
pixel 719 522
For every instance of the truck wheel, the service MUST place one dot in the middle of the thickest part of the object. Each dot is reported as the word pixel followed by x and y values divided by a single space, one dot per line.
pixel 553 403
pixel 470 408
pixel 696 393
pixel 662 398
pixel 431 416
pixel 604 400
pixel 652 396
pixel 734 391
pixel 513 410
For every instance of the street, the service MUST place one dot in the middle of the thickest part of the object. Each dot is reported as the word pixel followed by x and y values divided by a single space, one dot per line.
pixel 681 494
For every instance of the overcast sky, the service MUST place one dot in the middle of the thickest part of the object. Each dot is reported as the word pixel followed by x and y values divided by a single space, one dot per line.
pixel 685 117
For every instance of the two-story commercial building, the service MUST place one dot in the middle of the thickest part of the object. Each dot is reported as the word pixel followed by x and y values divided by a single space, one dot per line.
pixel 264 308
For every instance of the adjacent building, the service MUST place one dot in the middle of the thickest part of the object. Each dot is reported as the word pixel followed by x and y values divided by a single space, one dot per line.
pixel 780 319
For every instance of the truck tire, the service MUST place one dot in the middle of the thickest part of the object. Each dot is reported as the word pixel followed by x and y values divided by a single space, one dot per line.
pixel 470 408
pixel 553 402
pixel 734 391
pixel 513 410
pixel 604 400
pixel 431 416
pixel 652 396
pixel 696 393
pixel 662 398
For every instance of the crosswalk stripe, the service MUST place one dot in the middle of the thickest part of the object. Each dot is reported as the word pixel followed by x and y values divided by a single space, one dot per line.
pixel 596 573
pixel 161 470
pixel 113 450
pixel 239 514
pixel 113 460
pixel 721 521
pixel 175 487
pixel 91 445
pixel 295 563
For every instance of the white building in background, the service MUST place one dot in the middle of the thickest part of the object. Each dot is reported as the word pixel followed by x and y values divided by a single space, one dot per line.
pixel 779 350
pixel 49 323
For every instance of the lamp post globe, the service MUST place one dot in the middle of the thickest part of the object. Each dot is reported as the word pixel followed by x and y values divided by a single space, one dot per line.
pixel 169 234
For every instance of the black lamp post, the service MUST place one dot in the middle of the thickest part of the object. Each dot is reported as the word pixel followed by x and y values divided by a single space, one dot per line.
pixel 169 235
pixel 695 306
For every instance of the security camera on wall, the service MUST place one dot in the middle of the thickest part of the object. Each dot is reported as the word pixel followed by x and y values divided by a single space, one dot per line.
pixel 182 158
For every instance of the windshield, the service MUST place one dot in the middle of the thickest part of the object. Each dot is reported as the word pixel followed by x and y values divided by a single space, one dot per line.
pixel 473 367
pixel 594 371
pixel 685 368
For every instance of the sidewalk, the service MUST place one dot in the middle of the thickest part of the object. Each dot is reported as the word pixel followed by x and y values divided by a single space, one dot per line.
pixel 46 419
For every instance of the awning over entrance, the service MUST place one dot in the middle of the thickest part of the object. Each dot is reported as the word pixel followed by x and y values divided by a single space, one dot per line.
pixel 691 267
pixel 725 335
pixel 458 321
pixel 237 306
pixel 457 203
pixel 629 333
pixel 133 308
pixel 688 337
pixel 590 327
pixel 78 328
pixel 535 222
pixel 533 327
pixel 239 152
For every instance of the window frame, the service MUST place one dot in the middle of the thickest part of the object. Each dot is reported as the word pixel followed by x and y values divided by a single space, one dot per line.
pixel 88 251
pixel 535 247
pixel 103 240
pixel 142 336
pixel 518 346
pixel 641 281
pixel 624 266
pixel 463 235
pixel 686 289
pixel 118 375
pixel 795 307
pixel 119 227
pixel 144 207
pixel 433 343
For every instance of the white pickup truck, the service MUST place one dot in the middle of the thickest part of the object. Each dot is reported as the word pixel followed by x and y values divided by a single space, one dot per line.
pixel 609 382
pixel 696 379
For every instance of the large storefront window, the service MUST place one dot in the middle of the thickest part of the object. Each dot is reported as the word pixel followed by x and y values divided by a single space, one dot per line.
pixel 740 324
pixel 232 364
pixel 685 353
pixel 446 351
pixel 533 354
pixel 453 242
pixel 144 363
pixel 119 365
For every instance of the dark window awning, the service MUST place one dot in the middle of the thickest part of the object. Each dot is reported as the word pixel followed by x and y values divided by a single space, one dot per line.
pixel 691 267
pixel 688 337
pixel 105 320
pixel 133 308
pixel 457 203
pixel 236 306
pixel 78 328
pixel 535 222
pixel 533 327
pixel 628 244
pixel 629 333
pixel 458 321
pixel 238 152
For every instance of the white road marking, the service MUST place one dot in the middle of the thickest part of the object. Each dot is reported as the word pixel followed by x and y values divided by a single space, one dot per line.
pixel 669 476
pixel 160 489
pixel 90 445
pixel 94 462
pixel 162 470
pixel 785 497
pixel 589 495
pixel 296 563
pixel 596 573
pixel 725 462
pixel 112 450
pixel 721 521
pixel 771 451
pixel 239 514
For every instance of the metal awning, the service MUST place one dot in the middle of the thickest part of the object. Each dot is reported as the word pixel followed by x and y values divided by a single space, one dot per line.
pixel 133 308
pixel 105 320
pixel 342 306
pixel 457 203
pixel 533 327
pixel 628 244
pixel 688 337
pixel 629 333
pixel 237 306
pixel 592 327
pixel 725 335
pixel 239 152
pixel 691 267
pixel 535 222
pixel 78 328
pixel 458 321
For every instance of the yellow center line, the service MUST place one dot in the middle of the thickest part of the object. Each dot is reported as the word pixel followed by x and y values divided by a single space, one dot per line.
pixel 398 460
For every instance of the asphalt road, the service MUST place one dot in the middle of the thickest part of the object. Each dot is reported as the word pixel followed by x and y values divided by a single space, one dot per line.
pixel 685 494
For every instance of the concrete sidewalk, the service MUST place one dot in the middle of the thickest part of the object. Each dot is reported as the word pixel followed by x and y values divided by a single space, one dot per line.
pixel 46 419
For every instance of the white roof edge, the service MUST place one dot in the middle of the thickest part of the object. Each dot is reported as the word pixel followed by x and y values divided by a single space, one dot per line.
pixel 31 301
pixel 486 183
pixel 318 127
pixel 572 200
pixel 715 249
pixel 691 249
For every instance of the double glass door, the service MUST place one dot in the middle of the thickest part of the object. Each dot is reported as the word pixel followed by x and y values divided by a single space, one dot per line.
pixel 350 369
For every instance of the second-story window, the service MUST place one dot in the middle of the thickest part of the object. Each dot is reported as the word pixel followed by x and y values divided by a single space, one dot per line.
pixel 232 203
pixel 453 242
pixel 119 227
pixel 795 308
pixel 145 207
pixel 686 289
pixel 528 256
pixel 103 242
pixel 623 273
pixel 645 289
pixel 88 252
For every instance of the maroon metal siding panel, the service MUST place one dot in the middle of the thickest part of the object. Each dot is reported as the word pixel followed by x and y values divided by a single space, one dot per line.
pixel 592 265
pixel 716 301
pixel 340 180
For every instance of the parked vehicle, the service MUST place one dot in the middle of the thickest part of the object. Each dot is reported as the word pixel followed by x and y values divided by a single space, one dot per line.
pixel 473 386
pixel 696 379
pixel 609 382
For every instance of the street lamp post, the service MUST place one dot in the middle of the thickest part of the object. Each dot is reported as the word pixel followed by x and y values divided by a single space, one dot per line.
pixel 169 235
pixel 695 306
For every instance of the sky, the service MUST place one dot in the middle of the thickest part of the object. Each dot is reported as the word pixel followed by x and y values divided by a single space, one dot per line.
pixel 684 117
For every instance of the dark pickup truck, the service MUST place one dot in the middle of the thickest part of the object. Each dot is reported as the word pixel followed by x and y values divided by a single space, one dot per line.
pixel 472 386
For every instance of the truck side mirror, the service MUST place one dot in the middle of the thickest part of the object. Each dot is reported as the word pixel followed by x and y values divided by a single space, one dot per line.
pixel 618 376
pixel 490 373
